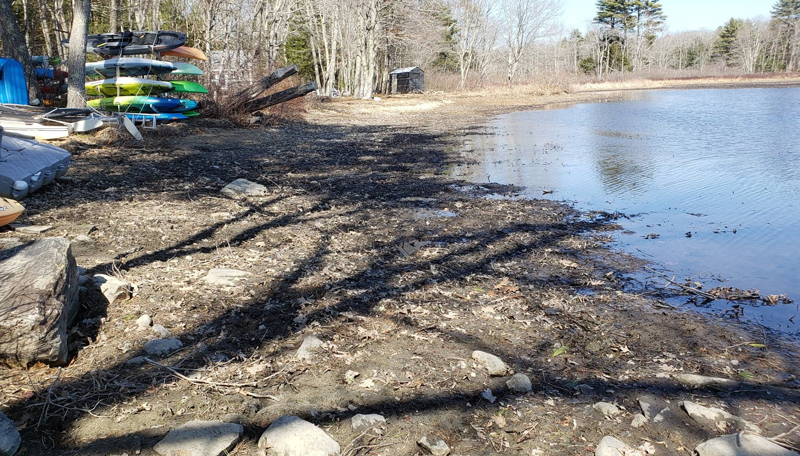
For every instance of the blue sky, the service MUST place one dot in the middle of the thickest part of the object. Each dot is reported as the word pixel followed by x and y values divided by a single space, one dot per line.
pixel 681 14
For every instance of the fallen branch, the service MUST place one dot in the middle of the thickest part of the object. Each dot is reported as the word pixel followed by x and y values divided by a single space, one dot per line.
pixel 243 97
pixel 279 97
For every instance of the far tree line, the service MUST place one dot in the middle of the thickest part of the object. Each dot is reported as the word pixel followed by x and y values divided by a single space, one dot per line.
pixel 350 46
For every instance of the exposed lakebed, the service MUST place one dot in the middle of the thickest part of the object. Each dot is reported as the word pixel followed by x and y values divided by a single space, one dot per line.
pixel 708 181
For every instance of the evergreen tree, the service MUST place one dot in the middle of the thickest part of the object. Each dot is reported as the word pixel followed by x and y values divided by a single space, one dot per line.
pixel 724 47
pixel 787 15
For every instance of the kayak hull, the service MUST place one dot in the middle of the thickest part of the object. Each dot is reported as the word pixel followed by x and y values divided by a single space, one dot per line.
pixel 129 66
pixel 127 87
pixel 137 104
pixel 186 52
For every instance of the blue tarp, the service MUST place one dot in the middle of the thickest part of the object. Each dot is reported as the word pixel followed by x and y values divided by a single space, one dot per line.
pixel 13 89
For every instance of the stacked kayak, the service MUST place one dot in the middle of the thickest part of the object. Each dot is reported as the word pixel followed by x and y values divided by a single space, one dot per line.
pixel 142 88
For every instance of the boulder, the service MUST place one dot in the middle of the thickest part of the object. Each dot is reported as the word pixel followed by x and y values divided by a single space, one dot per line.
pixel 200 438
pixel 292 436
pixel 38 301
pixel 741 445
pixel 243 187
pixel 9 436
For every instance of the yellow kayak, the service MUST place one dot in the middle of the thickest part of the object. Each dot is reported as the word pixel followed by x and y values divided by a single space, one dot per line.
pixel 127 87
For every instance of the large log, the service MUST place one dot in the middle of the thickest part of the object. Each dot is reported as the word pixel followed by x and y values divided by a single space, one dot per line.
pixel 38 300
pixel 242 97
pixel 280 97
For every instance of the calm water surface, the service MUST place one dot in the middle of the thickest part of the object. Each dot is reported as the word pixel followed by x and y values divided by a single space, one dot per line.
pixel 722 165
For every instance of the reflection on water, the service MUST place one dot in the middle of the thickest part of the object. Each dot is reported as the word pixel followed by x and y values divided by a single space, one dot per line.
pixel 714 173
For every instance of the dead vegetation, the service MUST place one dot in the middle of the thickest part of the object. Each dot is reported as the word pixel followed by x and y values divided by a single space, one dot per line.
pixel 363 241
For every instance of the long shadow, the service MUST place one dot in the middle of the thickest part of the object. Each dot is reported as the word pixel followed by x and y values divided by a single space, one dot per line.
pixel 389 182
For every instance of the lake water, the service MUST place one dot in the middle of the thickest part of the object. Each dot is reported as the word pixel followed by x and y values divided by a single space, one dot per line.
pixel 713 176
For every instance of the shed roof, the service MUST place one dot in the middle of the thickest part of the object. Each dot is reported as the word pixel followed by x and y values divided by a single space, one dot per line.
pixel 406 70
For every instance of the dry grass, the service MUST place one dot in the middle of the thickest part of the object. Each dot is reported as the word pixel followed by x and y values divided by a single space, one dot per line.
pixel 642 83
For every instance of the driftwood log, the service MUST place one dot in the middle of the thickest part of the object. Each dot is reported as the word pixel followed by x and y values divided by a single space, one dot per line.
pixel 280 97
pixel 38 300
pixel 250 99
pixel 241 98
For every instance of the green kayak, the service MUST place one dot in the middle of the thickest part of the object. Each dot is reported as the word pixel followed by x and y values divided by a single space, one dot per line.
pixel 187 87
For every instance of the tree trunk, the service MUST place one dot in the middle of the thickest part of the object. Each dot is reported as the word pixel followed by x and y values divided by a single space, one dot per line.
pixel 15 48
pixel 113 16
pixel 48 44
pixel 76 60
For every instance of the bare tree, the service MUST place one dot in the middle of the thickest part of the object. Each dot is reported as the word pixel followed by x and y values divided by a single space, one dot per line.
pixel 750 41
pixel 472 18
pixel 526 21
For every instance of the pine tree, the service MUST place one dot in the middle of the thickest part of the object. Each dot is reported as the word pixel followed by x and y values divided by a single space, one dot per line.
pixel 724 48
pixel 787 14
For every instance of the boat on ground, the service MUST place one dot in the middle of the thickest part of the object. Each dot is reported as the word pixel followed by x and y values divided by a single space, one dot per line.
pixel 9 210
pixel 26 165
pixel 133 42
pixel 187 87
pixel 129 66
pixel 185 52
pixel 127 86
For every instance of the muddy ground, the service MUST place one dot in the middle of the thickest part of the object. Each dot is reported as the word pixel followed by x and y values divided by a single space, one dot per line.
pixel 364 241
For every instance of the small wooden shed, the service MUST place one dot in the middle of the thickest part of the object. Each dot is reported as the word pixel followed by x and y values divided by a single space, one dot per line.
pixel 407 80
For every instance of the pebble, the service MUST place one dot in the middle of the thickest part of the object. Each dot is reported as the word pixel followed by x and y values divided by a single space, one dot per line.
pixel 200 438
pixel 161 331
pixel 607 409
pixel 741 445
pixel 243 187
pixel 434 445
pixel 136 361
pixel 492 363
pixel 361 422
pixel 292 436
pixel 113 289
pixel 610 446
pixel 30 229
pixel 144 321
pixel 639 420
pixel 649 406
pixel 9 436
pixel 519 383
pixel 310 345
pixel 83 239
pixel 162 346
pixel 225 276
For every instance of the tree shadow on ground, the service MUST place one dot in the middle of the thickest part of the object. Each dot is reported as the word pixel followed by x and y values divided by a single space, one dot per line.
pixel 333 181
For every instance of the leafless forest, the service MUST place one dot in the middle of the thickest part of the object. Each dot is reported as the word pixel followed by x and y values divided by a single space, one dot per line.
pixel 348 47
